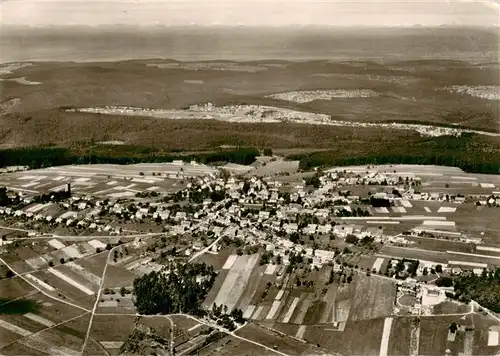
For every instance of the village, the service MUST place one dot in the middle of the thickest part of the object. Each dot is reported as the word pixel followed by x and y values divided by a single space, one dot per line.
pixel 275 114
pixel 275 234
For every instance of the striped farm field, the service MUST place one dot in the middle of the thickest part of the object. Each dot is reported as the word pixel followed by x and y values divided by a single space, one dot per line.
pixel 112 328
pixel 329 299
pixel 413 253
pixel 269 338
pixel 71 281
pixel 251 287
pixel 399 339
pixel 117 276
pixel 301 309
pixel 236 280
pixel 290 309
pixel 94 264
pixel 81 271
pixel 7 336
pixel 54 342
pixel 88 282
pixel 214 291
pixel 62 286
pixel 230 261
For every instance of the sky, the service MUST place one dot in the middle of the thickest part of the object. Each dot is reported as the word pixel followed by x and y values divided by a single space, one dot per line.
pixel 250 12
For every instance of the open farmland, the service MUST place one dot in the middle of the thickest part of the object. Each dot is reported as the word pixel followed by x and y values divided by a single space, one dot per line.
pixel 111 181
pixel 348 341
pixel 434 335
pixel 112 327
pixel 271 339
pixel 400 337
pixel 374 298
pixel 229 346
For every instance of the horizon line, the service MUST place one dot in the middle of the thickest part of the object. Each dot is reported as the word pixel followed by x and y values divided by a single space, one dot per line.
pixel 250 26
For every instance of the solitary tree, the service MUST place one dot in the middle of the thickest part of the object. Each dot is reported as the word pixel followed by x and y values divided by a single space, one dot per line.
pixel 453 327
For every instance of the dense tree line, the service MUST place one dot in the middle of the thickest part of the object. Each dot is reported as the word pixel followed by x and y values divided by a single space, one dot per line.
pixel 313 181
pixel 380 202
pixel 36 157
pixel 52 196
pixel 7 201
pixel 470 152
pixel 39 157
pixel 179 290
pixel 198 196
pixel 355 212
pixel 484 289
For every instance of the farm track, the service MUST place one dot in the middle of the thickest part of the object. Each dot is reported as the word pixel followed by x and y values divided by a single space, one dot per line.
pixel 45 329
pixel 98 297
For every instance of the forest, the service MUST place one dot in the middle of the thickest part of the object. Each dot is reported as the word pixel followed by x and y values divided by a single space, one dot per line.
pixel 181 288
pixel 484 289
pixel 472 153
pixel 469 152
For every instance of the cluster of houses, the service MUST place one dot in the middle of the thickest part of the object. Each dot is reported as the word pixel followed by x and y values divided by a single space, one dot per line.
pixel 491 201
pixel 258 210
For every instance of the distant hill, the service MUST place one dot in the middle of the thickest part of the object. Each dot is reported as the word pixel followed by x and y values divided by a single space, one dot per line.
pixel 109 43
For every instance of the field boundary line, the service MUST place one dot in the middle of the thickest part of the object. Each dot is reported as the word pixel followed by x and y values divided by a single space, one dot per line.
pixel 99 345
pixel 98 297
pixel 21 297
pixel 45 329
pixel 42 291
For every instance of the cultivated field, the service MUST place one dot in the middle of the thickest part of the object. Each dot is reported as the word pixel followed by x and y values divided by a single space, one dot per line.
pixel 374 298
